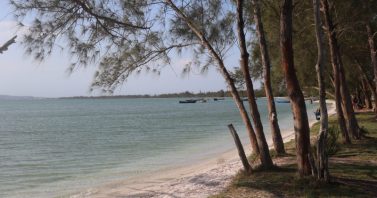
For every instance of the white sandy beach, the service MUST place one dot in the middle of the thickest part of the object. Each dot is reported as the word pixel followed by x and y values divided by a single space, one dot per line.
pixel 200 180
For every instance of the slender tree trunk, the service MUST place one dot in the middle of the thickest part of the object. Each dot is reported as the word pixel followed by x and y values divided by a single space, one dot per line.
pixel 335 65
pixel 360 93
pixel 224 72
pixel 301 124
pixel 241 152
pixel 266 160
pixel 373 57
pixel 367 80
pixel 322 157
pixel 367 95
pixel 275 129
pixel 352 124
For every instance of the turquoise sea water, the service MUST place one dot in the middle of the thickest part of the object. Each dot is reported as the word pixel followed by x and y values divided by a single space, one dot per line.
pixel 54 147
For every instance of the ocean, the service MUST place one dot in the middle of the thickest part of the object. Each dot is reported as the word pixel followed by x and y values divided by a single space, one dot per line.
pixel 56 147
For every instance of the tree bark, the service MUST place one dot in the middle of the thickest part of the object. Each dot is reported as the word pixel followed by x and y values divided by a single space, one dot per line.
pixel 352 124
pixel 224 72
pixel 275 129
pixel 266 160
pixel 296 97
pixel 335 65
pixel 322 157
pixel 367 80
pixel 367 95
pixel 241 152
pixel 373 57
pixel 360 93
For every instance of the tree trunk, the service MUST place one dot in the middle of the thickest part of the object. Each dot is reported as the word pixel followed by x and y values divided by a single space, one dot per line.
pixel 368 80
pixel 335 65
pixel 266 160
pixel 322 157
pixel 224 72
pixel 373 57
pixel 352 124
pixel 367 95
pixel 275 129
pixel 240 150
pixel 301 124
pixel 360 93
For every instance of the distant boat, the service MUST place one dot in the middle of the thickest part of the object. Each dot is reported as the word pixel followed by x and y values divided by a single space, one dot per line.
pixel 217 99
pixel 282 101
pixel 247 99
pixel 187 101
pixel 202 100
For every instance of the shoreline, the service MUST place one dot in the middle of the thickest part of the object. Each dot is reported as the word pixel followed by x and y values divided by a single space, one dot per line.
pixel 200 179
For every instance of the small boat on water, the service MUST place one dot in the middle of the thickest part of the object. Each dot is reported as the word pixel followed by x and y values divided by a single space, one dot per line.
pixel 187 101
pixel 247 99
pixel 217 99
pixel 202 100
pixel 282 101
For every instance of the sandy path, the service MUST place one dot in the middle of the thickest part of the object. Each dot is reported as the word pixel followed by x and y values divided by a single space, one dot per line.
pixel 201 180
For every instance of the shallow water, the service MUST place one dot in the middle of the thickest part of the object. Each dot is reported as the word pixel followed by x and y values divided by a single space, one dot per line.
pixel 54 147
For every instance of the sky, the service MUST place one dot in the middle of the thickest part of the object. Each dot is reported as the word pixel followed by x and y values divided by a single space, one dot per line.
pixel 20 75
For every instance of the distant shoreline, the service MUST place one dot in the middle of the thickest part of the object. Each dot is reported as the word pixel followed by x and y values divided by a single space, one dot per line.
pixel 135 97
pixel 187 94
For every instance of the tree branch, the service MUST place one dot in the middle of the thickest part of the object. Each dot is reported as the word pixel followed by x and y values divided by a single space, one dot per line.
pixel 7 44
pixel 89 10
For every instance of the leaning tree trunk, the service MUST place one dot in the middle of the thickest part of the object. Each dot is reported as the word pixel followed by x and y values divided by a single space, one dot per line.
pixel 360 93
pixel 301 124
pixel 367 95
pixel 335 65
pixel 241 152
pixel 322 157
pixel 339 109
pixel 373 57
pixel 275 129
pixel 223 71
pixel 367 80
pixel 352 124
pixel 266 160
